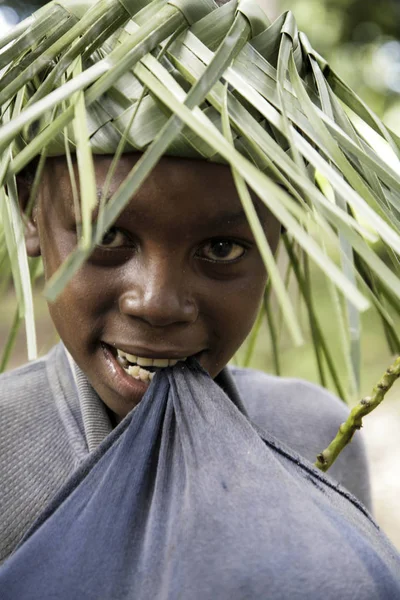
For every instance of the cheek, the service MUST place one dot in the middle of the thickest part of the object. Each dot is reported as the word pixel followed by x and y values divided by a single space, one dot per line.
pixel 238 309
pixel 242 312
pixel 80 310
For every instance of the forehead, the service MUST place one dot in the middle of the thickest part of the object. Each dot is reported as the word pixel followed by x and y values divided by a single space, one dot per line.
pixel 171 177
pixel 182 192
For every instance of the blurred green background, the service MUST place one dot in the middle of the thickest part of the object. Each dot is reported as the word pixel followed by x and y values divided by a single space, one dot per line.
pixel 359 38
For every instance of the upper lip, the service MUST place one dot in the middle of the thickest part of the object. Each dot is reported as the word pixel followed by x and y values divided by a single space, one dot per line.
pixel 153 352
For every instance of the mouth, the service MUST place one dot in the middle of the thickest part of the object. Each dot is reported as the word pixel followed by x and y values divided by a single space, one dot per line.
pixel 129 375
pixel 143 368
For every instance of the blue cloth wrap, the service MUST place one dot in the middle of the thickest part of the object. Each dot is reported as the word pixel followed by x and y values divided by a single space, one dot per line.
pixel 187 500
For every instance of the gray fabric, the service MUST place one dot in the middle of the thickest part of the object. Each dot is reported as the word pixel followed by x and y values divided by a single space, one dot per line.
pixel 50 421
pixel 306 418
pixel 94 414
pixel 41 443
pixel 186 499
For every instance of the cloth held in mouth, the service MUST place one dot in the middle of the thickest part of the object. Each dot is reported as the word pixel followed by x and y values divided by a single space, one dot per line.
pixel 186 499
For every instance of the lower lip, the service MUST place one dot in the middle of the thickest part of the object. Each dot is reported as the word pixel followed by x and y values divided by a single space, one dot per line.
pixel 125 385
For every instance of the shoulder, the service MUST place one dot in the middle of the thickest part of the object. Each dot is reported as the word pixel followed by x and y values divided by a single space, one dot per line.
pixel 28 388
pixel 25 399
pixel 26 405
pixel 306 418
pixel 15 384
pixel 280 399
pixel 32 440
pixel 28 396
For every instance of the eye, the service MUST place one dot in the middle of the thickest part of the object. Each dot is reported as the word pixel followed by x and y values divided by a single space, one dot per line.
pixel 113 238
pixel 221 251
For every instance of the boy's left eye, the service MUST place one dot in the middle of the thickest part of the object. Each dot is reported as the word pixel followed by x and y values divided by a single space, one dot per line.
pixel 113 238
pixel 221 251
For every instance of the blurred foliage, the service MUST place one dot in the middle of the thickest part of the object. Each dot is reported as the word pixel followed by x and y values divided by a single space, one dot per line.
pixel 23 7
pixel 360 39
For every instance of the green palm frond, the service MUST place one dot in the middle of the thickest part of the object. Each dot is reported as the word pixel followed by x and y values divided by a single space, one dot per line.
pixel 190 78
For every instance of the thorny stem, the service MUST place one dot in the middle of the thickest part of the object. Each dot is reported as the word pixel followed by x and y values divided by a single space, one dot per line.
pixel 346 431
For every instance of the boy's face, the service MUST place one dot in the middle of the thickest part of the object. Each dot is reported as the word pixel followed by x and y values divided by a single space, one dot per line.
pixel 178 275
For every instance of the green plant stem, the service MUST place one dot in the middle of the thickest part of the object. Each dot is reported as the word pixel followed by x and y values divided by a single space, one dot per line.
pixel 272 331
pixel 346 431
pixel 253 339
pixel 321 347
pixel 12 336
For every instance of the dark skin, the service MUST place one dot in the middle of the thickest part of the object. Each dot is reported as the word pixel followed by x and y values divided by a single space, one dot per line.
pixel 178 275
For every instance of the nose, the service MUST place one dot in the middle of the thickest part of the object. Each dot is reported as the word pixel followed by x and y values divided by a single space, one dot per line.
pixel 159 295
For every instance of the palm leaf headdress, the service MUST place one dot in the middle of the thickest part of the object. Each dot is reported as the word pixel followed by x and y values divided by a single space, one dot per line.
pixel 192 78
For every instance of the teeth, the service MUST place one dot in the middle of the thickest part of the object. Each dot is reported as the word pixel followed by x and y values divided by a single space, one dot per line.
pixel 144 362
pixel 140 374
pixel 149 362
pixel 160 362
pixel 134 371
pixel 144 375
pixel 122 361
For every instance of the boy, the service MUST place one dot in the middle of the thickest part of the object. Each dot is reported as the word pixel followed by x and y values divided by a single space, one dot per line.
pixel 178 276
pixel 170 280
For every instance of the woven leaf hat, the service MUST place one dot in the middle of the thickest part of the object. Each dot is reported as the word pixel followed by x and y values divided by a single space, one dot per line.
pixel 194 79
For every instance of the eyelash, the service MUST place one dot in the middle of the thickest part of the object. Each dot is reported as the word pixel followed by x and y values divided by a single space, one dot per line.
pixel 209 243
